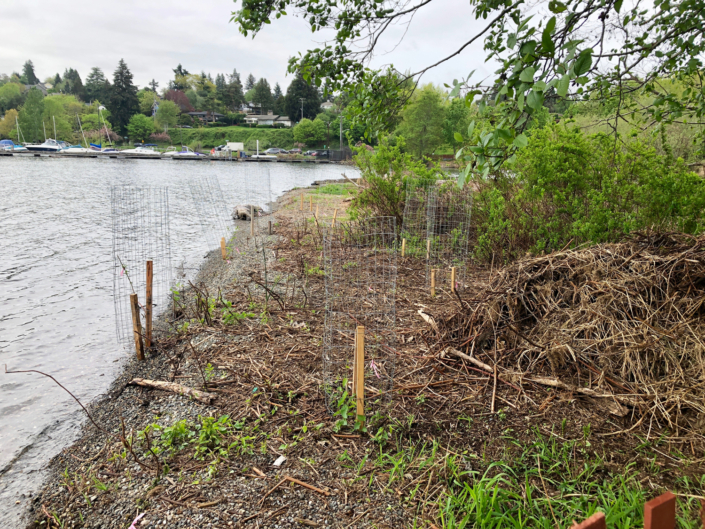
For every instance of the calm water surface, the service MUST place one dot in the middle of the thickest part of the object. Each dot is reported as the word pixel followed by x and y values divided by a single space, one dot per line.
pixel 56 310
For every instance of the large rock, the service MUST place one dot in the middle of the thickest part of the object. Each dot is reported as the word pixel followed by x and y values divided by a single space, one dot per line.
pixel 243 212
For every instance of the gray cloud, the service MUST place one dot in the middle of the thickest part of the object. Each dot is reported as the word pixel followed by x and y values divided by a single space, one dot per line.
pixel 153 36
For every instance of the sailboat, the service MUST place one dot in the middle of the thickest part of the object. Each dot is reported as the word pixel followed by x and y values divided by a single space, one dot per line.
pixel 79 149
pixel 99 148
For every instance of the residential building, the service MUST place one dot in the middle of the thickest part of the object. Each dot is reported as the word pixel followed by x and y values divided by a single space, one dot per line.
pixel 270 118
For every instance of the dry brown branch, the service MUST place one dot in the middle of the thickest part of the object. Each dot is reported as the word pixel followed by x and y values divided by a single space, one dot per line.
pixel 200 396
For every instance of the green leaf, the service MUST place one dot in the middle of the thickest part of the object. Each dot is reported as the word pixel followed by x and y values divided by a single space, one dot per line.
pixel 459 153
pixel 535 100
pixel 546 40
pixel 527 48
pixel 527 75
pixel 618 5
pixel 563 85
pixel 583 62
pixel 554 6
pixel 511 40
pixel 463 175
pixel 520 101
pixel 471 128
pixel 540 85
pixel 521 141
pixel 458 137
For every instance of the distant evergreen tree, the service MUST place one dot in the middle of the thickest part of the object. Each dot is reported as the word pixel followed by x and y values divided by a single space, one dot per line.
pixel 153 85
pixel 97 86
pixel 123 98
pixel 28 76
pixel 298 89
pixel 178 82
pixel 57 80
pixel 277 92
pixel 220 82
pixel 234 77
pixel 30 116
pixel 250 83
pixel 73 84
pixel 262 96
pixel 232 96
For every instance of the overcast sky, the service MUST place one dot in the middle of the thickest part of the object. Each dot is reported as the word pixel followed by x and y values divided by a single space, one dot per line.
pixel 153 36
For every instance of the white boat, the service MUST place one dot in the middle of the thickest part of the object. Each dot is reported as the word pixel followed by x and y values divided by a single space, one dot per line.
pixel 8 145
pixel 184 152
pixel 142 150
pixel 50 145
pixel 77 149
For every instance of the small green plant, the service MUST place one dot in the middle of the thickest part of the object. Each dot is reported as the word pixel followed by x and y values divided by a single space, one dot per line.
pixel 177 436
pixel 420 398
pixel 211 436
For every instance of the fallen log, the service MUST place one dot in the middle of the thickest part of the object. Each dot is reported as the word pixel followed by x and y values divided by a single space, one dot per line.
pixel 200 396
pixel 610 400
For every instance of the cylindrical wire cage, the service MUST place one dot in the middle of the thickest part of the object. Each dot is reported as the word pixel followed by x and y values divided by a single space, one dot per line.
pixel 360 260
pixel 415 223
pixel 448 234
pixel 211 209
pixel 140 221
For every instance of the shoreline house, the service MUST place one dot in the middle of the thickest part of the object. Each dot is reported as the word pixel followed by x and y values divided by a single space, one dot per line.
pixel 270 118
pixel 206 116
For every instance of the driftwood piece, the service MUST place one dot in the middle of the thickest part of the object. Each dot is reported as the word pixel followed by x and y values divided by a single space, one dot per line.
pixel 428 319
pixel 200 396
pixel 471 359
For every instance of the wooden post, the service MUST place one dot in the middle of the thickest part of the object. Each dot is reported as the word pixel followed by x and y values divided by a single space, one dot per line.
pixel 452 279
pixel 252 220
pixel 596 521
pixel 137 326
pixel 335 214
pixel 360 373
pixel 148 307
pixel 354 369
pixel 433 282
pixel 223 250
pixel 302 201
pixel 660 513
pixel 316 211
pixel 310 203
pixel 270 227
pixel 428 249
pixel 403 247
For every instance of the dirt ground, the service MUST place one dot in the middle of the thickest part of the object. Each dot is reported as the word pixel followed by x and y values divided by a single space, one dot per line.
pixel 258 354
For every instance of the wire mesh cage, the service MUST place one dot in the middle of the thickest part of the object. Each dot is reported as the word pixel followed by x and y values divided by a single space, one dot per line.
pixel 140 222
pixel 360 261
pixel 415 223
pixel 448 234
pixel 211 209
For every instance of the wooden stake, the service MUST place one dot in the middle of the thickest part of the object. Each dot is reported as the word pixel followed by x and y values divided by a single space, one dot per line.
pixel 433 282
pixel 335 214
pixel 316 211
pixel 360 373
pixel 223 250
pixel 270 227
pixel 148 307
pixel 252 220
pixel 137 326
pixel 452 279
pixel 354 369
pixel 403 247
pixel 310 203
pixel 428 249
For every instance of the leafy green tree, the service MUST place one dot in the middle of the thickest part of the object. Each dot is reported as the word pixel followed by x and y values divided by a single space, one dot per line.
pixel 123 97
pixel 193 98
pixel 30 116
pixel 310 132
pixel 262 96
pixel 28 75
pixel 140 127
pixel 250 82
pixel 167 114
pixel 301 89
pixel 147 99
pixel 456 120
pixel 422 121
pixel 55 116
pixel 10 96
pixel 7 124
pixel 97 86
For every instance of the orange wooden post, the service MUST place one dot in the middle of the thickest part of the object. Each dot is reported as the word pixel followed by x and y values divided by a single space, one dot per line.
pixel 137 326
pixel 660 513
pixel 433 282
pixel 310 204
pixel 452 279
pixel 596 521
pixel 403 247
pixel 428 249
pixel 316 211
pixel 223 250
pixel 335 214
pixel 148 306
pixel 360 373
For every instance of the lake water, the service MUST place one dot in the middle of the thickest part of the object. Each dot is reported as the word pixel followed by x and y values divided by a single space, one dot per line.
pixel 56 307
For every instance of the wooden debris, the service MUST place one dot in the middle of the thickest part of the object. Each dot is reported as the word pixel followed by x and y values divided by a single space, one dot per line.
pixel 200 396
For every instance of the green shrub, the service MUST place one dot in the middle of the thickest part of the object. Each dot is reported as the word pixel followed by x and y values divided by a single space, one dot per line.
pixel 566 188
pixel 386 173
